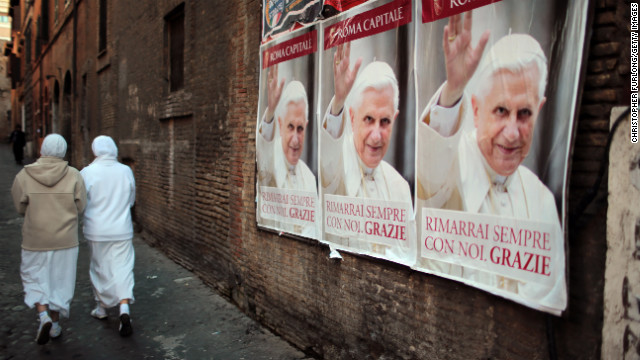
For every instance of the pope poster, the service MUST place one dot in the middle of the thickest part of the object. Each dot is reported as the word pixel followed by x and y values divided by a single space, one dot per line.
pixel 431 133
pixel 496 92
pixel 366 167
pixel 286 188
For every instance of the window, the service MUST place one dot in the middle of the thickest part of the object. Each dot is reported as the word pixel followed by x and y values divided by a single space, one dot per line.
pixel 44 26
pixel 102 31
pixel 174 47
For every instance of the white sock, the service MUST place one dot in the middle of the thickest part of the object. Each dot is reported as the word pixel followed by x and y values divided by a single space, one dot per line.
pixel 44 315
pixel 124 309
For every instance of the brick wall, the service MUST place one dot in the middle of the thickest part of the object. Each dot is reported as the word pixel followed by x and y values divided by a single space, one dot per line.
pixel 359 307
pixel 193 154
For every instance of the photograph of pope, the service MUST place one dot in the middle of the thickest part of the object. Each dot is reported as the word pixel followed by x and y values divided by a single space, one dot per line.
pixel 356 133
pixel 479 170
pixel 280 144
pixel 279 163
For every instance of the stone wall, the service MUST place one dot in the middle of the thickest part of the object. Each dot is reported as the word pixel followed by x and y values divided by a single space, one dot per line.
pixel 621 328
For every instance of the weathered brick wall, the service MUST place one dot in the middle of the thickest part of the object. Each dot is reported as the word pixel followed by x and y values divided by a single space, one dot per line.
pixel 195 171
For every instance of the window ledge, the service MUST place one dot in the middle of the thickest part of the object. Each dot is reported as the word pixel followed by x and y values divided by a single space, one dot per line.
pixel 176 105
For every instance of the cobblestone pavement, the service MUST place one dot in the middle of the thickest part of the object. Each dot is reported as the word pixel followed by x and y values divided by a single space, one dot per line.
pixel 175 315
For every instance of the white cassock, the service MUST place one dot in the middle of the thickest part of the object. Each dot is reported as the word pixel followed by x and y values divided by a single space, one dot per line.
pixel 275 171
pixel 111 271
pixel 453 174
pixel 49 277
pixel 343 173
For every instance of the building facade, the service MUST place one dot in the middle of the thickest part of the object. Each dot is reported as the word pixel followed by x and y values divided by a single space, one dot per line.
pixel 175 83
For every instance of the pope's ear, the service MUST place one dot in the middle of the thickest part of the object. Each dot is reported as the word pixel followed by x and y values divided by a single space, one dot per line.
pixel 280 121
pixel 351 115
pixel 474 108
pixel 544 100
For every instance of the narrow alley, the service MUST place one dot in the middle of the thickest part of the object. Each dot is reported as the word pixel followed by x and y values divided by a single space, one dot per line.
pixel 175 315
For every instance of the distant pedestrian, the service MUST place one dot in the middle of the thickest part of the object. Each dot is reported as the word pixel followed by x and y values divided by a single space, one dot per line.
pixel 18 139
pixel 111 192
pixel 50 195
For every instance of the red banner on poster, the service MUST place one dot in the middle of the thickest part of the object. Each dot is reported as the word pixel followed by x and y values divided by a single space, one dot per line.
pixel 299 46
pixel 378 20
pixel 433 10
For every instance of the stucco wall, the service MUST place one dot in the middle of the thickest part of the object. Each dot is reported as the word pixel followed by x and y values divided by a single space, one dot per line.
pixel 621 328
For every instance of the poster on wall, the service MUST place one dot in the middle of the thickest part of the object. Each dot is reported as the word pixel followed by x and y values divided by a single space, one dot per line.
pixel 280 16
pixel 496 85
pixel 366 131
pixel 286 141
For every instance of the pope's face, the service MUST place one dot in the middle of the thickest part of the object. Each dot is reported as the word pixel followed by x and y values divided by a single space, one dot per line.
pixel 292 129
pixel 372 124
pixel 505 118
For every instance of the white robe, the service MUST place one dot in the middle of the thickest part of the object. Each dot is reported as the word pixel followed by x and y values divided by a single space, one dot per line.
pixel 111 192
pixel 49 278
pixel 453 174
pixel 111 271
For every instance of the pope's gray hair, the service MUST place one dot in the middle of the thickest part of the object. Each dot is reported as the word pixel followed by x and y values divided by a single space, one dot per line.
pixel 294 92
pixel 376 75
pixel 514 52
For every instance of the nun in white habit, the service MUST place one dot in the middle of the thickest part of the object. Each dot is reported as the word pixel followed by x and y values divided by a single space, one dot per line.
pixel 111 192
pixel 50 195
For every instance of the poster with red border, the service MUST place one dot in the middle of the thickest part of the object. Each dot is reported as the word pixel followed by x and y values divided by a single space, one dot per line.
pixel 364 174
pixel 286 184
pixel 496 92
